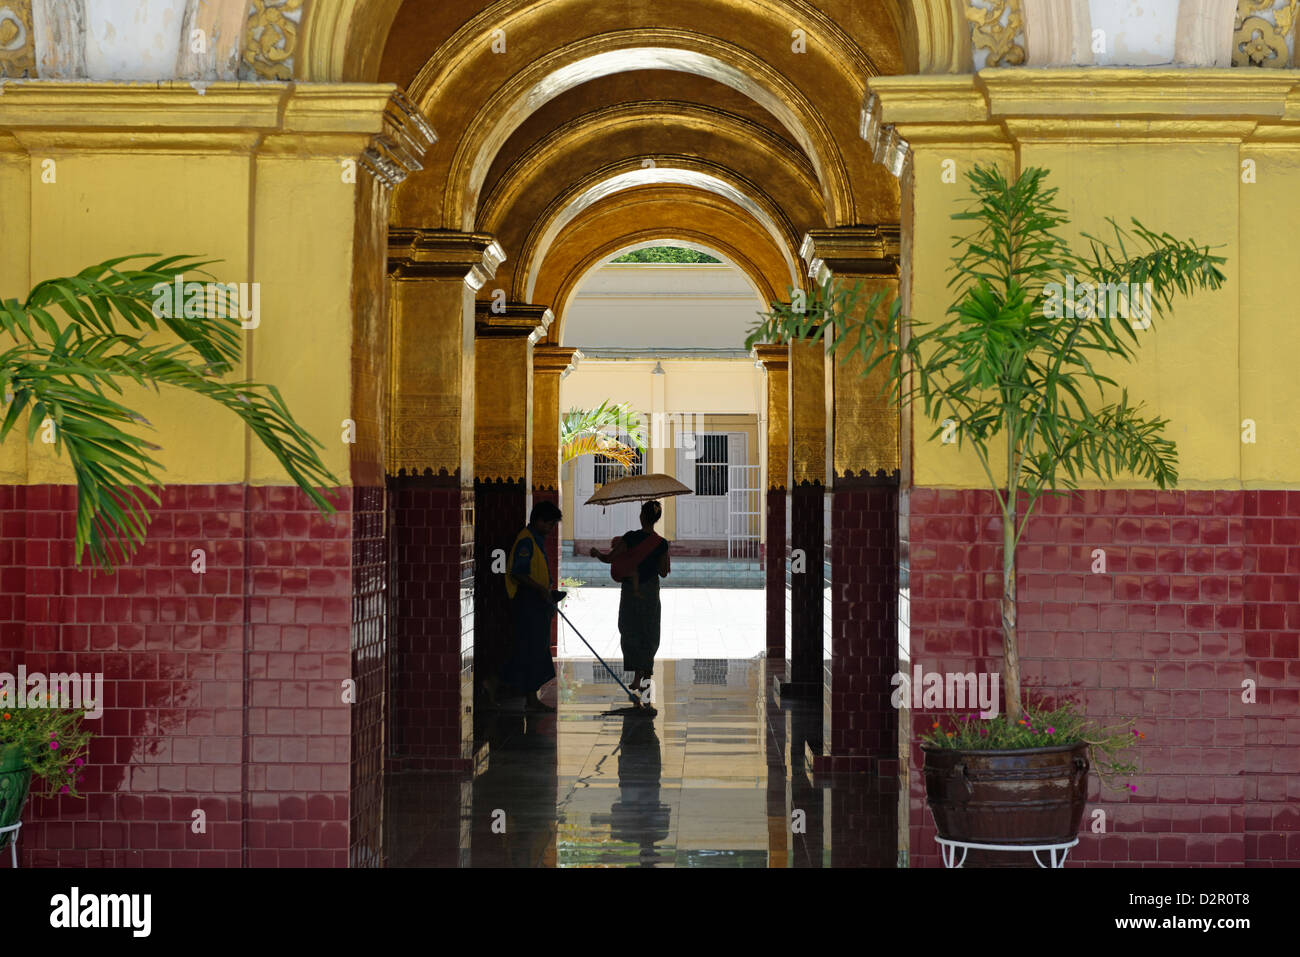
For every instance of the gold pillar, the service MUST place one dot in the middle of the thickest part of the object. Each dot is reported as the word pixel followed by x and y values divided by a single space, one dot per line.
pixel 806 417
pixel 503 374
pixel 862 423
pixel 550 363
pixel 775 360
pixel 435 274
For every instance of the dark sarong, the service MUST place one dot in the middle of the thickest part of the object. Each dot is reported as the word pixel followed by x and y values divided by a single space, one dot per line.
pixel 530 665
pixel 638 625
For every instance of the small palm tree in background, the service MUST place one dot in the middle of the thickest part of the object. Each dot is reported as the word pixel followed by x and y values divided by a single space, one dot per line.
pixel 586 432
pixel 1015 356
pixel 78 340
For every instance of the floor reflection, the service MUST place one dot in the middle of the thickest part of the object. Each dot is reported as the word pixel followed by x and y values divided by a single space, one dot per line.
pixel 708 781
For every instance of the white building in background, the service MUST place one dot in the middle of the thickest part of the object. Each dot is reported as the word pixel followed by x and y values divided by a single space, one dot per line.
pixel 669 340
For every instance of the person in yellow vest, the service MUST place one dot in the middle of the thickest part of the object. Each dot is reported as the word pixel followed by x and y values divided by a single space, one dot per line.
pixel 529 584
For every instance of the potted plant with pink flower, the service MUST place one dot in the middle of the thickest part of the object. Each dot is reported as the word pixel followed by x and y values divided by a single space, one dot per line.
pixel 48 744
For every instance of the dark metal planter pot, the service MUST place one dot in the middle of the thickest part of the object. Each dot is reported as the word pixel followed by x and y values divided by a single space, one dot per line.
pixel 15 779
pixel 1024 796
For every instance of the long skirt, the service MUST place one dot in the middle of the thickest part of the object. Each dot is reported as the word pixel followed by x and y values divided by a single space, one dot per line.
pixel 530 665
pixel 638 625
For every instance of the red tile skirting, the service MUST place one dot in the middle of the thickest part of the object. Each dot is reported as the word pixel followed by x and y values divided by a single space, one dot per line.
pixel 223 688
pixel 1198 596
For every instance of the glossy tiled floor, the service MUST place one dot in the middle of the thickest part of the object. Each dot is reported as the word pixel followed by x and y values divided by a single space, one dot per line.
pixel 696 623
pixel 704 783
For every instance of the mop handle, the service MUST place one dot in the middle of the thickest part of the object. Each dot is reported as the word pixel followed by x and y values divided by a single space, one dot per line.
pixel 593 651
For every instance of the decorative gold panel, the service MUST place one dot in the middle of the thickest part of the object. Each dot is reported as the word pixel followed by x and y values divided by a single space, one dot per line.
pixel 503 415
pixel 807 413
pixel 775 361
pixel 549 365
pixel 865 427
pixel 17 39
pixel 433 274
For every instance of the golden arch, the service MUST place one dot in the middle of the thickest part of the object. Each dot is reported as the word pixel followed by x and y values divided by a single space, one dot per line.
pixel 584 60
pixel 343 40
pixel 587 193
pixel 763 290
pixel 657 213
pixel 603 131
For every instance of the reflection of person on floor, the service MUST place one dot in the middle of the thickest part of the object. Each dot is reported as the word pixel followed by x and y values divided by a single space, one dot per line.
pixel 637 817
pixel 529 584
pixel 640 559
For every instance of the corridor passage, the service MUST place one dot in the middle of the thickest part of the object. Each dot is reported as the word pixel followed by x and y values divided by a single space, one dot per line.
pixel 704 783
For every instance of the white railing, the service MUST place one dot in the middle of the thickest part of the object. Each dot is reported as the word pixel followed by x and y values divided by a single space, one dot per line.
pixel 744 511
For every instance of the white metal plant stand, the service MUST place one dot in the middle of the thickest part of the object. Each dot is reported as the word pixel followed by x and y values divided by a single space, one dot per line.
pixel 949 851
pixel 13 841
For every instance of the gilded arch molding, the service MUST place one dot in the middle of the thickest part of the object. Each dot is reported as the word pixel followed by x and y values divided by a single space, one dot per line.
pixel 587 193
pixel 746 144
pixel 581 268
pixel 661 212
pixel 585 59
pixel 343 40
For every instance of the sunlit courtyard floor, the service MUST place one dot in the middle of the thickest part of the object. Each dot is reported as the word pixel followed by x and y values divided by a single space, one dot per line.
pixel 694 623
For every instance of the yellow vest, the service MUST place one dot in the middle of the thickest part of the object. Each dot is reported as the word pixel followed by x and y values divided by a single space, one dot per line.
pixel 538 570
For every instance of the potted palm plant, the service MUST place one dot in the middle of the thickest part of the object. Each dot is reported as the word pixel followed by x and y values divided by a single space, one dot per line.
pixel 1018 358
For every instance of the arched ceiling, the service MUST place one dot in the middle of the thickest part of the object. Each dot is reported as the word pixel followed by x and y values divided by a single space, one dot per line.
pixel 670 213
pixel 570 128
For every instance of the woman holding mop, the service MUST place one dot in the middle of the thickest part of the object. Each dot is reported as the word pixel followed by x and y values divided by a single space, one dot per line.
pixel 639 559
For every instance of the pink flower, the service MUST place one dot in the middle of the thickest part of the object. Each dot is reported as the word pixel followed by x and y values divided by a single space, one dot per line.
pixel 1051 731
pixel 79 762
pixel 54 745
pixel 64 789
pixel 1133 788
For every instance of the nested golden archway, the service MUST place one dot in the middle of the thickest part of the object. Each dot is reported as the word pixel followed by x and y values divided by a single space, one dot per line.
pixel 343 40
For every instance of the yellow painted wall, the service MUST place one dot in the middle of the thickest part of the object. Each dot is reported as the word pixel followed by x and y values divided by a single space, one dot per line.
pixel 105 204
pixel 1165 147
pixel 1268 293
pixel 304 344
pixel 268 200
pixel 934 202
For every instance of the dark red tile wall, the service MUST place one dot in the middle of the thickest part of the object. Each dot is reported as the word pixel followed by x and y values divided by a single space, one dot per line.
pixel 222 689
pixel 776 554
pixel 370 674
pixel 1198 596
pixel 861 725
pixel 553 553
pixel 807 592
pixel 500 514
pixel 431 624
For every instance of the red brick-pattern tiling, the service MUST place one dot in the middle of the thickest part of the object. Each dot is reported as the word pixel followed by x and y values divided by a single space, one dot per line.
pixel 221 686
pixel 807 591
pixel 500 516
pixel 297 743
pixel 1194 601
pixel 1271 727
pixel 431 623
pixel 554 553
pixel 863 540
pixel 775 557
pixel 370 674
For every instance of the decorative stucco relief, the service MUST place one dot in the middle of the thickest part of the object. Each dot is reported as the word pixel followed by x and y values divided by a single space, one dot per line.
pixel 271 39
pixel 17 39
pixel 1264 33
pixel 997 32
